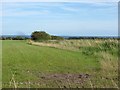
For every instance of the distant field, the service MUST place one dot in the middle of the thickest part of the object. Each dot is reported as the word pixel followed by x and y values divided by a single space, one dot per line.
pixel 61 64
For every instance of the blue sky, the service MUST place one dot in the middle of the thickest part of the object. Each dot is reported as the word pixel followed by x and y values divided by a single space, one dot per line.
pixel 61 18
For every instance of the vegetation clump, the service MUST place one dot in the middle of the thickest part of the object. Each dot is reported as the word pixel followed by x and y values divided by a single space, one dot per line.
pixel 14 38
pixel 57 38
pixel 42 35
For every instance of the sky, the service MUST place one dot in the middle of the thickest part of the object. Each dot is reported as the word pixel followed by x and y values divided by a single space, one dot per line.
pixel 60 18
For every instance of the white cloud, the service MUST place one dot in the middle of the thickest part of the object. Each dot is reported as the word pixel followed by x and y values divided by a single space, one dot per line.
pixel 26 9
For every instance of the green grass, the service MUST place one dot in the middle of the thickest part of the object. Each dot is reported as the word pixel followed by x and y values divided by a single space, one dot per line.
pixel 0 64
pixel 27 63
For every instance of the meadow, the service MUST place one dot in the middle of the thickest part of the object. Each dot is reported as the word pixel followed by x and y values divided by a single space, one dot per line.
pixel 84 63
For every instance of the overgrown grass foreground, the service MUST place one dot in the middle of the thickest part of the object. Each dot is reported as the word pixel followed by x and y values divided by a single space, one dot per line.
pixel 60 64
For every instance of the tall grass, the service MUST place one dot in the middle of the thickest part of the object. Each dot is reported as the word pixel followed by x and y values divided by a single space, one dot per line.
pixel 105 50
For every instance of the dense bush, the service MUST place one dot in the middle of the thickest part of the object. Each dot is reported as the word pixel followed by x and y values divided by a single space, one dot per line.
pixel 110 47
pixel 40 35
pixel 90 50
pixel 57 38
pixel 18 38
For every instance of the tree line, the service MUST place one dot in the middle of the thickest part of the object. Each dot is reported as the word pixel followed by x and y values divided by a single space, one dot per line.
pixel 13 38
pixel 36 36
pixel 42 35
pixel 92 37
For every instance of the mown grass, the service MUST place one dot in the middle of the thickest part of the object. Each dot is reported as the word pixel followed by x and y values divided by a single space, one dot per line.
pixel 27 65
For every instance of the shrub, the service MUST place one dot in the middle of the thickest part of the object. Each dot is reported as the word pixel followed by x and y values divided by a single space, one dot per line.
pixel 57 38
pixel 40 35
pixel 18 38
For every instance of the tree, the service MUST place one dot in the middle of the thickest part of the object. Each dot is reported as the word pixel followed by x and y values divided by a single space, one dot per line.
pixel 40 35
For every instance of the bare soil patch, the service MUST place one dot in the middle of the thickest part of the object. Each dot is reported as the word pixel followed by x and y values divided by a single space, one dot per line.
pixel 74 78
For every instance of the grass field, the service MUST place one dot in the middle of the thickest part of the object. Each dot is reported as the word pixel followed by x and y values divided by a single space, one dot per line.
pixel 71 63
pixel 0 64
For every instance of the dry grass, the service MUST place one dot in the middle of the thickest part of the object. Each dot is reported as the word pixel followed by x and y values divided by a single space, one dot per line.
pixel 73 44
pixel 108 75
